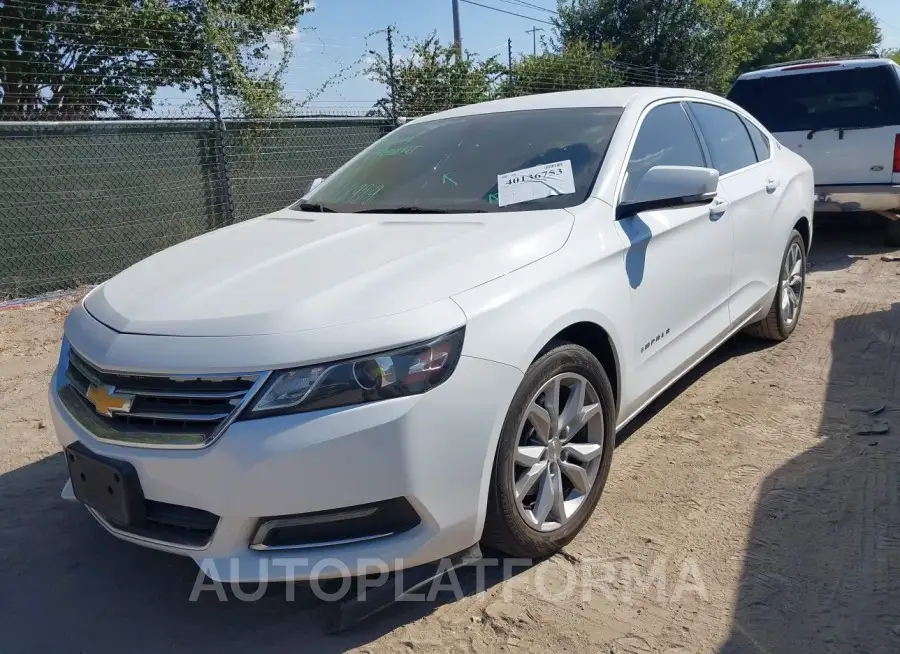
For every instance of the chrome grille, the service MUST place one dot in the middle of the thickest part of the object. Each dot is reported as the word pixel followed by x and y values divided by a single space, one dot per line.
pixel 181 411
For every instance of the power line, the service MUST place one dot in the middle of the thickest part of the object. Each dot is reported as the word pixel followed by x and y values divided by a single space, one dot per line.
pixel 528 5
pixel 504 11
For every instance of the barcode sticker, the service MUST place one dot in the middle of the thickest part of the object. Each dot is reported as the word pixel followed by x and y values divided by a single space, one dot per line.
pixel 535 183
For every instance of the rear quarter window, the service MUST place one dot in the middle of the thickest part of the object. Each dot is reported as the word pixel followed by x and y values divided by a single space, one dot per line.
pixel 862 96
pixel 760 141
pixel 726 137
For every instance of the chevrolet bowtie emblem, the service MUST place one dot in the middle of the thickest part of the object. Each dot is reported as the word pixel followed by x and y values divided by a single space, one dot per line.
pixel 107 402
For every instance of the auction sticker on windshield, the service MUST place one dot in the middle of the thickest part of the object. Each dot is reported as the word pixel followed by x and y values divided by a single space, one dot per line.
pixel 535 183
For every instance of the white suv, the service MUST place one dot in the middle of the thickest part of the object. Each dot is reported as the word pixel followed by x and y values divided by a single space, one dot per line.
pixel 843 117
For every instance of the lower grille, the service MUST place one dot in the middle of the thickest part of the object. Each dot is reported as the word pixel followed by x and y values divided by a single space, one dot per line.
pixel 171 524
pixel 151 411
pixel 337 527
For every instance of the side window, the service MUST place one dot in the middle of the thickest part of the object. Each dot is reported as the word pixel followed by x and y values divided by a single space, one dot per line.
pixel 726 137
pixel 760 141
pixel 666 138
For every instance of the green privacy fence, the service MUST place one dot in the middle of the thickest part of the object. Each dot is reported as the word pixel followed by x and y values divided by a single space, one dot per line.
pixel 81 201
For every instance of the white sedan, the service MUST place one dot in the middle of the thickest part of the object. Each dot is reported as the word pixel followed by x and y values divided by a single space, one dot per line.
pixel 436 346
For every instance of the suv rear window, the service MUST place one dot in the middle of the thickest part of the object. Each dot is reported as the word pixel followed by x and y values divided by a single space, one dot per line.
pixel 864 96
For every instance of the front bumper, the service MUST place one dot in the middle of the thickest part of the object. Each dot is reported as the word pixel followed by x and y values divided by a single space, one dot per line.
pixel 863 197
pixel 435 450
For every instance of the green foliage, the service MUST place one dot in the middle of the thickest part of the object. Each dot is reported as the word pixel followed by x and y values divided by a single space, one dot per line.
pixel 892 54
pixel 785 30
pixel 675 35
pixel 432 78
pixel 69 58
pixel 717 39
pixel 575 66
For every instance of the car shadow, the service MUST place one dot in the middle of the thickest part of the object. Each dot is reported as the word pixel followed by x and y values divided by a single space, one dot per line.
pixel 839 240
pixel 639 235
pixel 737 346
pixel 68 586
pixel 822 568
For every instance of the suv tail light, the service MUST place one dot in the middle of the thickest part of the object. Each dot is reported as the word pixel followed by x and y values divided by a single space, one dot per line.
pixel 897 153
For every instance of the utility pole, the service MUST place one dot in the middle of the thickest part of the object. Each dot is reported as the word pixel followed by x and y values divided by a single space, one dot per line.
pixel 533 31
pixel 509 69
pixel 457 35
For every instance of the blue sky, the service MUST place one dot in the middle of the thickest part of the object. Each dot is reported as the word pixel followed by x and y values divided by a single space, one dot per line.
pixel 333 38
pixel 335 32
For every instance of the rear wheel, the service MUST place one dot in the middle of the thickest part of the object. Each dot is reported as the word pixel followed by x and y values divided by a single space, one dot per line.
pixel 554 454
pixel 785 310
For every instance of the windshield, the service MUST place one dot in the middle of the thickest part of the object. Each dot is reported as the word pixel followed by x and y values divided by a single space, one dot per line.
pixel 848 97
pixel 506 161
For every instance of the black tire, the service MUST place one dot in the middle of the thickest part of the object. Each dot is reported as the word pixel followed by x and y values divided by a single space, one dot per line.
pixel 775 326
pixel 505 529
pixel 892 234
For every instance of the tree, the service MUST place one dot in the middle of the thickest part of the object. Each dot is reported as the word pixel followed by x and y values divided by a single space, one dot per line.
pixel 669 35
pixel 893 54
pixel 84 58
pixel 786 30
pixel 574 66
pixel 707 42
pixel 432 78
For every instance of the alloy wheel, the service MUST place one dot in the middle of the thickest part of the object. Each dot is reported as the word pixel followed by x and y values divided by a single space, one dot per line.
pixel 792 279
pixel 558 452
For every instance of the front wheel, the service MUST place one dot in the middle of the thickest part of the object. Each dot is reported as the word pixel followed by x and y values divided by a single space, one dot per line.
pixel 554 454
pixel 785 310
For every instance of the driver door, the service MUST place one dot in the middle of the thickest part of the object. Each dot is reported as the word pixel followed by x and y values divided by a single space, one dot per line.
pixel 678 261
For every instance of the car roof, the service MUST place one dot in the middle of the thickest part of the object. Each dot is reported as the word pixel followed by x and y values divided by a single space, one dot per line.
pixel 615 97
pixel 816 66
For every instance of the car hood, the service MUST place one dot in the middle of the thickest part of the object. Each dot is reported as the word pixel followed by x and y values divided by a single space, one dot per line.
pixel 292 271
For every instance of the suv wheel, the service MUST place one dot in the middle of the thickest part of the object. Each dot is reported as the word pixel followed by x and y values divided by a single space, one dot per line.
pixel 554 454
pixel 892 233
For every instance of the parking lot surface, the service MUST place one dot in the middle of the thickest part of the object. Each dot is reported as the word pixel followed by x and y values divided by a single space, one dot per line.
pixel 753 508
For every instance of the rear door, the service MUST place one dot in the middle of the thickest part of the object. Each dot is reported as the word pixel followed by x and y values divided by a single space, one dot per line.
pixel 843 118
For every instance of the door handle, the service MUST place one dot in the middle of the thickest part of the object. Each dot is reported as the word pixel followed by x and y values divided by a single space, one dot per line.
pixel 718 208
pixel 771 185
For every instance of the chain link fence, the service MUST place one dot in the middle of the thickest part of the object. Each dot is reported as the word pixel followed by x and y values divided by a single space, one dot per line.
pixel 81 200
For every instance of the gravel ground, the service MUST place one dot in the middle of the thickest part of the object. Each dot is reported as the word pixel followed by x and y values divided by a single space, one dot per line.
pixel 752 509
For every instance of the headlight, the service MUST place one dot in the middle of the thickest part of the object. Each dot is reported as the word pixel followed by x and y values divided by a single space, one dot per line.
pixel 407 371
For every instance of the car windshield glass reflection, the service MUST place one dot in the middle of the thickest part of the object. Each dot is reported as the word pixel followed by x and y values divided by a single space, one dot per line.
pixel 509 161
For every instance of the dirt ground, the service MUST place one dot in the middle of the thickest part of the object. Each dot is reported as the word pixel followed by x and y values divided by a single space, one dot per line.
pixel 752 509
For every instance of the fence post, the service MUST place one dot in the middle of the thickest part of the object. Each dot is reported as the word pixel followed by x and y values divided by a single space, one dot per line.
pixel 656 73
pixel 509 66
pixel 221 162
pixel 393 82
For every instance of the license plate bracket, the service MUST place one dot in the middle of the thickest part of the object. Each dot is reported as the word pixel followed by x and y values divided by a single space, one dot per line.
pixel 109 486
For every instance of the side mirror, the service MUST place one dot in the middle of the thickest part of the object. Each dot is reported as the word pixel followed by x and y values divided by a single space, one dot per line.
pixel 668 187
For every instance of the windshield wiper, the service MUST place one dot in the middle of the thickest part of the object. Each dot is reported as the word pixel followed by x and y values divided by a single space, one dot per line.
pixel 312 206
pixel 412 209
